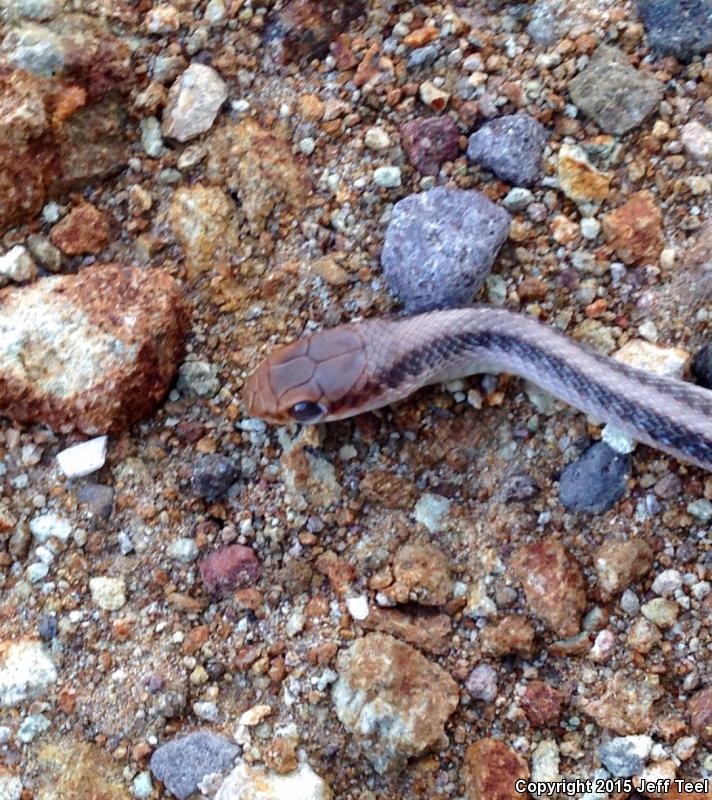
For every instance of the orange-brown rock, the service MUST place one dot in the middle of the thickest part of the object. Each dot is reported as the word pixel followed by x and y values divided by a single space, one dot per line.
pixel 258 164
pixel 422 574
pixel 578 177
pixel 634 230
pixel 491 771
pixel 512 635
pixel 392 699
pixel 93 352
pixel 619 563
pixel 542 704
pixel 429 632
pixel 700 708
pixel 626 705
pixel 84 230
pixel 553 584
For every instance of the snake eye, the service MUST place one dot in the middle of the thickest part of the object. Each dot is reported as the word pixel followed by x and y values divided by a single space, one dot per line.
pixel 306 412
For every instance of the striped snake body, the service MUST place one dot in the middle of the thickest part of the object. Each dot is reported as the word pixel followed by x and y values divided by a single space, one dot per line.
pixel 362 366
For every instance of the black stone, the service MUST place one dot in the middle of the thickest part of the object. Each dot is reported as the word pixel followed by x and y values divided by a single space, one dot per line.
pixel 680 28
pixel 595 482
pixel 213 475
pixel 702 366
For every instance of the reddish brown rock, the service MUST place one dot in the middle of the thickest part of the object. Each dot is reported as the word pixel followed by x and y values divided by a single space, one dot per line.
pixel 619 563
pixel 512 635
pixel 338 570
pixel 28 159
pixel 305 28
pixel 229 568
pixel 542 704
pixel 93 352
pixel 422 574
pixel 429 632
pixel 634 230
pixel 84 230
pixel 392 698
pixel 491 771
pixel 700 708
pixel 626 705
pixel 258 164
pixel 553 584
pixel 429 141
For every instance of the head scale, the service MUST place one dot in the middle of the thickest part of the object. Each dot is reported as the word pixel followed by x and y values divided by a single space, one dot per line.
pixel 310 380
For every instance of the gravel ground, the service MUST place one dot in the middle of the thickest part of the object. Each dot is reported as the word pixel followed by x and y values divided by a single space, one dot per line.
pixel 475 586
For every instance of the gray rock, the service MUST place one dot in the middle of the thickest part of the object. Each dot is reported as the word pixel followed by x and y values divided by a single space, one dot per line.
pixel 616 96
pixel 625 756
pixel 595 482
pixel 98 498
pixel 511 147
pixel 182 763
pixel 702 366
pixel 422 56
pixel 482 683
pixel 198 379
pixel 680 28
pixel 213 475
pixel 440 245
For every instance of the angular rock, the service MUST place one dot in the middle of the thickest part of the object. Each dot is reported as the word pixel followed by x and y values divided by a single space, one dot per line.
pixel 392 698
pixel 250 782
pixel 553 584
pixel 439 247
pixel 619 563
pixel 643 636
pixel 625 756
pixel 615 95
pixel 431 633
pixel 213 474
pixel 26 671
pixel 194 102
pixel 17 266
pixel 84 458
pixel 511 147
pixel 542 704
pixel 258 164
pixel 597 481
pixel 429 141
pixel 696 138
pixel 626 705
pixel 99 499
pixel 679 28
pixel 306 28
pixel 422 574
pixel 491 771
pixel 579 179
pixel 700 710
pixel 181 763
pixel 93 352
pixel 667 361
pixel 204 219
pixel 661 612
pixel 634 230
pixel 84 230
pixel 512 635
pixel 229 568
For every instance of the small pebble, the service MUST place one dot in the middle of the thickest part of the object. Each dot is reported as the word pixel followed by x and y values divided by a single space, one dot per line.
pixel 625 756
pixel 83 458
pixel 108 593
pixel 482 683
pixel 596 481
pixel 377 139
pixel 213 474
pixel 431 510
pixel 17 266
pixel 702 366
pixel 184 550
pixel 387 177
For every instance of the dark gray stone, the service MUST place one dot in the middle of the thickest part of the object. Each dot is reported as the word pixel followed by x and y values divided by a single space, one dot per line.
pixel 182 763
pixel 99 499
pixel 680 28
pixel 439 247
pixel 213 475
pixel 511 147
pixel 615 95
pixel 595 482
pixel 702 366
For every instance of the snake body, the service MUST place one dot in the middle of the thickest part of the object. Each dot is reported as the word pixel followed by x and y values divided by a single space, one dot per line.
pixel 362 366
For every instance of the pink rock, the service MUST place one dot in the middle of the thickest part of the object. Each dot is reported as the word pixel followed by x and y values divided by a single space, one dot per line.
pixel 429 141
pixel 229 568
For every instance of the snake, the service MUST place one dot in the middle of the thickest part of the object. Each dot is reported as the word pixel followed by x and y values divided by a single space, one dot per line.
pixel 362 366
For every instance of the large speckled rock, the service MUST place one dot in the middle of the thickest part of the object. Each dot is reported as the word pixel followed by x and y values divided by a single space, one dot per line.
pixel 26 671
pixel 183 762
pixel 248 782
pixel 392 698
pixel 440 245
pixel 615 95
pixel 511 147
pixel 93 352
pixel 681 28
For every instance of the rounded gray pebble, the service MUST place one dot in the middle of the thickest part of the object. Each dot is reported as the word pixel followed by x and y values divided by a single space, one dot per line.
pixel 511 147
pixel 439 247
pixel 595 482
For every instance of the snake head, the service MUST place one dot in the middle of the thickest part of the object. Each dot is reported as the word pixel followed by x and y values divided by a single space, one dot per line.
pixel 310 380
